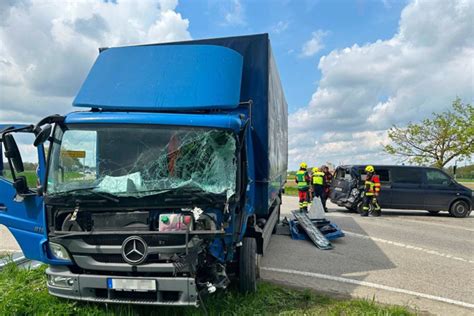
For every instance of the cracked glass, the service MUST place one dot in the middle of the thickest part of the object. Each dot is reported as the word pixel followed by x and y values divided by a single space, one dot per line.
pixel 135 161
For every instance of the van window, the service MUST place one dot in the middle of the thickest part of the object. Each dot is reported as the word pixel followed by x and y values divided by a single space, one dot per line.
pixel 406 175
pixel 343 174
pixel 436 177
pixel 383 174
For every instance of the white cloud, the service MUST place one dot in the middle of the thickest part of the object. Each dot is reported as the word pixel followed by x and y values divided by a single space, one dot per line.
pixel 236 13
pixel 280 27
pixel 47 47
pixel 365 89
pixel 313 45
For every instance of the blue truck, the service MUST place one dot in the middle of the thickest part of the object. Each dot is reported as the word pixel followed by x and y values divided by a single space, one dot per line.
pixel 165 184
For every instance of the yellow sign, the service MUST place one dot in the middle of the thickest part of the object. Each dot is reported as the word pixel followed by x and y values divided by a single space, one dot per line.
pixel 74 153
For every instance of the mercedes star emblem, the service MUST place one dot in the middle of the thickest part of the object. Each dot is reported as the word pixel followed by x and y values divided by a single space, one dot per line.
pixel 134 250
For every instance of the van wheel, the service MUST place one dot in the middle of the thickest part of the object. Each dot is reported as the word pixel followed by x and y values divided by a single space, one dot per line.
pixel 460 209
pixel 248 266
pixel 433 212
pixel 360 208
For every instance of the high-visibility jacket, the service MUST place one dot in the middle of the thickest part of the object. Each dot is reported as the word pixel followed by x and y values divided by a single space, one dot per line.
pixel 372 185
pixel 318 178
pixel 302 179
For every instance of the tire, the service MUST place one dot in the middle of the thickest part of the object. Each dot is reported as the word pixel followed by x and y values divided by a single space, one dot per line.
pixel 359 208
pixel 248 266
pixel 433 212
pixel 460 209
pixel 352 209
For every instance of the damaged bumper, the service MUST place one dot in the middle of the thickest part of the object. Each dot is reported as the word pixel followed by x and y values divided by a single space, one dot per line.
pixel 177 291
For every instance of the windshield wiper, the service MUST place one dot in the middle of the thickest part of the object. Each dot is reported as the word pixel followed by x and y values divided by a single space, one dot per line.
pixel 105 195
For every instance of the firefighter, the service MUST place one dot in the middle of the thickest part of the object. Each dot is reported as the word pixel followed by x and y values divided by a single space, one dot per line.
pixel 318 183
pixel 303 180
pixel 371 192
pixel 327 186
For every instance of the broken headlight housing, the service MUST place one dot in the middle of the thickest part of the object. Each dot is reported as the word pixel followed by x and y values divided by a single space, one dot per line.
pixel 58 251
pixel 355 192
pixel 60 281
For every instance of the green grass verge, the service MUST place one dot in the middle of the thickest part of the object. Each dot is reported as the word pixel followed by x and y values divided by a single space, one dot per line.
pixel 23 292
pixel 290 190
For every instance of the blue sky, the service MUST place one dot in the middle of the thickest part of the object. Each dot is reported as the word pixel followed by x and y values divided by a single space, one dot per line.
pixel 290 24
pixel 350 69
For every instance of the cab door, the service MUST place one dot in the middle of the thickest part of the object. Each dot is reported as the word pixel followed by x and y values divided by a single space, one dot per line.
pixel 23 214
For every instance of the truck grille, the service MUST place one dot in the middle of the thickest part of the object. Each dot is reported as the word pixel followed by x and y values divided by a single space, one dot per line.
pixel 114 258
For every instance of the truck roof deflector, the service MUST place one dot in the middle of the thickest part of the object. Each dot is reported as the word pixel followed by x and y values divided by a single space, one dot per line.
pixel 164 77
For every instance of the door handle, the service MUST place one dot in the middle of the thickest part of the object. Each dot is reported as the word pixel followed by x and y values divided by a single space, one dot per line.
pixel 3 208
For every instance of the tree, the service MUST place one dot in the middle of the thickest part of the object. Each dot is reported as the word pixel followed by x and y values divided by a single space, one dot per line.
pixel 437 140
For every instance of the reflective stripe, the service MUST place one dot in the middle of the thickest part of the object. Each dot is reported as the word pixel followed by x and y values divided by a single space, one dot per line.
pixel 318 178
pixel 300 178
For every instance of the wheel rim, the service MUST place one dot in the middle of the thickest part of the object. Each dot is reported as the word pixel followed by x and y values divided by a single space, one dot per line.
pixel 460 208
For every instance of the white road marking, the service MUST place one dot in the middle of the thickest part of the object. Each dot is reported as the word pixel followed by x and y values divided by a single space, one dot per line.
pixel 370 284
pixel 391 218
pixel 402 245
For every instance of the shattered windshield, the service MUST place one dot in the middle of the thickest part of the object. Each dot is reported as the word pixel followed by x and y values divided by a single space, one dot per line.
pixel 136 161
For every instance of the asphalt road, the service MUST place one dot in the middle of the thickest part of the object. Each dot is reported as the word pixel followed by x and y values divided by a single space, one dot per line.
pixel 405 258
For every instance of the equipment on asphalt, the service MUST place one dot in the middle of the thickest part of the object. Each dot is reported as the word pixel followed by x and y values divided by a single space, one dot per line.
pixel 312 231
pixel 315 226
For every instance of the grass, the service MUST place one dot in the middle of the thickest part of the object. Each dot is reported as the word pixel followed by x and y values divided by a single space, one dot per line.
pixel 31 178
pixel 23 292
pixel 291 190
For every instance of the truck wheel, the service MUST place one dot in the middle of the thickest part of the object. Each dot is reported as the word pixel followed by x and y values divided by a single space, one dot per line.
pixel 248 266
pixel 460 209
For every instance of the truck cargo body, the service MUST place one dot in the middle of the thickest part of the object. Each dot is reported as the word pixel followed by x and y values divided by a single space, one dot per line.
pixel 168 186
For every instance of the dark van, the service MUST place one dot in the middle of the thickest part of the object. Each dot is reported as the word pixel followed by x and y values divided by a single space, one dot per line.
pixel 404 187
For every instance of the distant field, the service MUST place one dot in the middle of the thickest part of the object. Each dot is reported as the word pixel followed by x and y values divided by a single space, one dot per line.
pixel 469 184
pixel 31 176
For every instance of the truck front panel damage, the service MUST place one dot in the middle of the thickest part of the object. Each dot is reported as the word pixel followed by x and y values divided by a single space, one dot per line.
pixel 177 291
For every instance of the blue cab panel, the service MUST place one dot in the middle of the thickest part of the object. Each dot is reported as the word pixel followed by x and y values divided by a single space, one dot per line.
pixel 163 77
pixel 222 121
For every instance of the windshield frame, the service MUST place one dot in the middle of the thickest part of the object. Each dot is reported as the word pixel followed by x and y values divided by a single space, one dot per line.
pixel 63 127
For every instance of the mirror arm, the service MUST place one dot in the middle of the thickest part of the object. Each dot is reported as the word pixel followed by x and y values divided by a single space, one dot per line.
pixel 52 119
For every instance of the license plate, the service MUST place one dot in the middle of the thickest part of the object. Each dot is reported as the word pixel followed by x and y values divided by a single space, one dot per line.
pixel 338 189
pixel 131 285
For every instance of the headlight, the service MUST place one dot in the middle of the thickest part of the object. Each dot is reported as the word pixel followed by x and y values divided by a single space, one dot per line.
pixel 58 251
pixel 354 192
pixel 60 281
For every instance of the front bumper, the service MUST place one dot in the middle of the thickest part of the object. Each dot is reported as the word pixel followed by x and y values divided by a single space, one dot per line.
pixel 176 291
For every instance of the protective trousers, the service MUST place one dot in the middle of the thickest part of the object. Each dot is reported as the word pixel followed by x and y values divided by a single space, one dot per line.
pixel 370 203
pixel 303 195
pixel 317 190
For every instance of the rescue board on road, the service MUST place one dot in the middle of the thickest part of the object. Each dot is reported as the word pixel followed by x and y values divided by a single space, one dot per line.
pixel 313 232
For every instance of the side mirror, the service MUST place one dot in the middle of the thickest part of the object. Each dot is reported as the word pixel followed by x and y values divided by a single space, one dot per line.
pixel 20 185
pixel 12 153
pixel 43 135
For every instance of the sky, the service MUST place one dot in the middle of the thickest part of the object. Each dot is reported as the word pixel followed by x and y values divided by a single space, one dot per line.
pixel 350 69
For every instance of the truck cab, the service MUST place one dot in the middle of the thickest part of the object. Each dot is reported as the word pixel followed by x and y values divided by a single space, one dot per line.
pixel 167 186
